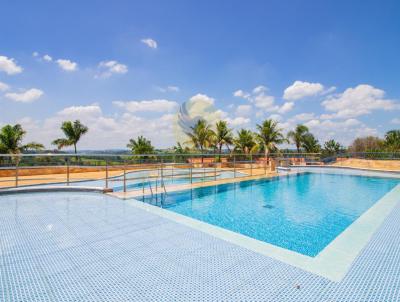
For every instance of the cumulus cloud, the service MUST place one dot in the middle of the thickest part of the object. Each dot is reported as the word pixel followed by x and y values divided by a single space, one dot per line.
pixel 81 111
pixel 150 105
pixel 150 43
pixel 108 68
pixel 262 100
pixel 27 96
pixel 202 98
pixel 241 94
pixel 357 101
pixel 9 66
pixel 35 54
pixel 115 131
pixel 286 107
pixel 67 65
pixel 259 89
pixel 47 58
pixel 4 86
pixel 243 110
pixel 299 90
pixel 237 121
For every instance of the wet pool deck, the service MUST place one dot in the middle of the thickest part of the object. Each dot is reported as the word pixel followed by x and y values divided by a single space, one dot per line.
pixel 108 249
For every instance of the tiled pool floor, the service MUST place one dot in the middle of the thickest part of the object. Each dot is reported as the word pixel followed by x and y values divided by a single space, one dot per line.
pixel 92 247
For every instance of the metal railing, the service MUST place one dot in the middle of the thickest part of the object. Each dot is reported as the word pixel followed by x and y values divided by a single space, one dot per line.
pixel 130 172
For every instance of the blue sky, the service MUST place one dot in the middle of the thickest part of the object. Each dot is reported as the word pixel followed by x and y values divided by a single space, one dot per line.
pixel 124 67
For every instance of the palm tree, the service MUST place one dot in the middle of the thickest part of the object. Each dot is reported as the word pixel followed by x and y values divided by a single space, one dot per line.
pixel 332 147
pixel 269 136
pixel 11 141
pixel 244 142
pixel 73 132
pixel 179 149
pixel 202 136
pixel 310 144
pixel 297 136
pixel 392 140
pixel 140 146
pixel 223 136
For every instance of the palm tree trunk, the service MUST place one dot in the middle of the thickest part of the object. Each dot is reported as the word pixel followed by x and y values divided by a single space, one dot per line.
pixel 219 152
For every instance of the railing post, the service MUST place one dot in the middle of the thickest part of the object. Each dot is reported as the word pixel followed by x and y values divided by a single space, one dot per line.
pixel 162 174
pixel 16 172
pixel 191 173
pixel 251 164
pixel 172 168
pixel 234 166
pixel 265 166
pixel 215 171
pixel 124 175
pixel 106 173
pixel 67 171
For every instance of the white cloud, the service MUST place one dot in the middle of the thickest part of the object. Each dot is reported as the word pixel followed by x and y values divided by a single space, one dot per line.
pixel 150 43
pixel 173 88
pixel 286 107
pixel 265 102
pixel 241 94
pixel 275 117
pixel 361 100
pixel 299 90
pixel 35 54
pixel 27 96
pixel 169 88
pixel 259 89
pixel 150 106
pixel 243 110
pixel 47 58
pixel 81 111
pixel 395 121
pixel 202 98
pixel 237 121
pixel 108 68
pixel 67 65
pixel 344 131
pixel 9 66
pixel 262 100
pixel 4 86
pixel 115 131
pixel 301 117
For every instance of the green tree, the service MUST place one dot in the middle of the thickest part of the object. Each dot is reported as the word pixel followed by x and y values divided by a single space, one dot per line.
pixel 140 146
pixel 244 142
pixel 392 140
pixel 179 149
pixel 311 144
pixel 367 144
pixel 73 132
pixel 11 140
pixel 201 136
pixel 297 136
pixel 332 147
pixel 269 135
pixel 223 136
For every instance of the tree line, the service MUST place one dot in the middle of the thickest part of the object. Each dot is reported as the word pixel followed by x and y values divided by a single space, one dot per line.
pixel 204 137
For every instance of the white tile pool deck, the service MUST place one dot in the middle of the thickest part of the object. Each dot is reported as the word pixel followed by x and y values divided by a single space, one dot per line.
pixel 109 250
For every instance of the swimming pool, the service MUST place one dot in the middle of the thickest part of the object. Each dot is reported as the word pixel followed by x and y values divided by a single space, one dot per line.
pixel 302 213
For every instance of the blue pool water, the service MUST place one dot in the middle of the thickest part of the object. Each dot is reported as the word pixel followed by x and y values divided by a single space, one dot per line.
pixel 302 213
